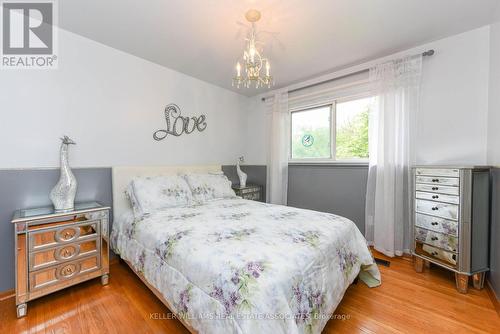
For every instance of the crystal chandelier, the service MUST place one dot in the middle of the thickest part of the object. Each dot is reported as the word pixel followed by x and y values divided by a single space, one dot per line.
pixel 252 60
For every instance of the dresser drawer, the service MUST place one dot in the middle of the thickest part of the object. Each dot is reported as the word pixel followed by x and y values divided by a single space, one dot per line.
pixel 68 270
pixel 438 180
pixel 52 256
pixel 53 237
pixel 438 197
pixel 446 258
pixel 437 189
pixel 437 224
pixel 443 210
pixel 443 241
pixel 446 172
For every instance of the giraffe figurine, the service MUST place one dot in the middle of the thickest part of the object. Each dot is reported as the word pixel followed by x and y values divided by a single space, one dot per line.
pixel 63 194
pixel 241 175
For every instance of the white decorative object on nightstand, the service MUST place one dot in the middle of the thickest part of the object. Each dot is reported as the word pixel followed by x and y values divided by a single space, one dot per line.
pixel 241 175
pixel 64 192
pixel 56 250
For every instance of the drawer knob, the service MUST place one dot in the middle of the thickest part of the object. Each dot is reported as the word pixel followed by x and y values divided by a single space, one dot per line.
pixel 435 188
pixel 434 223
pixel 435 180
pixel 434 238
pixel 434 253
pixel 435 197
pixel 435 208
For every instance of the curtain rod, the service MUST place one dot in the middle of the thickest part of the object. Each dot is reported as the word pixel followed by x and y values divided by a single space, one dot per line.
pixel 427 53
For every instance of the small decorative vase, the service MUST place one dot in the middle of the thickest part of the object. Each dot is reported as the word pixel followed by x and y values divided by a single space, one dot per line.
pixel 243 176
pixel 63 194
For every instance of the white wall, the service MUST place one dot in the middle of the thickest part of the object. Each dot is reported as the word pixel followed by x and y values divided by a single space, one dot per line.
pixel 452 126
pixel 494 98
pixel 110 103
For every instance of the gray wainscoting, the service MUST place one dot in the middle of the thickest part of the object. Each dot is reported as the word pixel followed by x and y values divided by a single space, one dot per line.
pixel 30 188
pixel 338 189
pixel 494 275
pixel 257 174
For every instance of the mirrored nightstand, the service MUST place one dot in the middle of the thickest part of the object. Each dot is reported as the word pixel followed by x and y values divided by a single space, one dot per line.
pixel 54 250
pixel 251 191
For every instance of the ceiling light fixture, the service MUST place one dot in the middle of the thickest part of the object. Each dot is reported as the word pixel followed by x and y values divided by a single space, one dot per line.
pixel 252 60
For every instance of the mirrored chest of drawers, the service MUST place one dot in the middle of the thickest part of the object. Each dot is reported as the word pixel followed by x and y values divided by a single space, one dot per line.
pixel 56 250
pixel 451 210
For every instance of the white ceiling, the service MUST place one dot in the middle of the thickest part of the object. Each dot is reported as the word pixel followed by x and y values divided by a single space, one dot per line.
pixel 202 38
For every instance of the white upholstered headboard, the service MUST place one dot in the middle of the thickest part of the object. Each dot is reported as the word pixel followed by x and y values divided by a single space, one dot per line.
pixel 123 175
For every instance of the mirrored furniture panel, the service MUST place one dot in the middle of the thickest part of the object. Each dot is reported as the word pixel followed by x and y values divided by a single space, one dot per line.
pixel 55 250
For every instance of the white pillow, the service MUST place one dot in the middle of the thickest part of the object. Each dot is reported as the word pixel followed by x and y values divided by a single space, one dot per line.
pixel 150 194
pixel 206 187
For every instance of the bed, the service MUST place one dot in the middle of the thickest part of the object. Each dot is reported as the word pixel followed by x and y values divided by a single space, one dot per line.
pixel 238 266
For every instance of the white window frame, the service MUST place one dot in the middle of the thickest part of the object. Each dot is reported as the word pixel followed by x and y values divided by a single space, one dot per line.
pixel 333 133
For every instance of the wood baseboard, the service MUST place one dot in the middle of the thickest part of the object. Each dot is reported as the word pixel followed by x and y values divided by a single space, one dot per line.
pixel 7 294
pixel 493 296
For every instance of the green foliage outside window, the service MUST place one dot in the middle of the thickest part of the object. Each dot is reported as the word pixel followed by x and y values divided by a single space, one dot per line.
pixel 351 140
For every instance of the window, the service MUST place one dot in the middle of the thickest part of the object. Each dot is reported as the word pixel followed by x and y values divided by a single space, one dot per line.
pixel 333 132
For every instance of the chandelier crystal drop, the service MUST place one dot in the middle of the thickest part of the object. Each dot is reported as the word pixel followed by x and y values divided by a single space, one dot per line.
pixel 253 62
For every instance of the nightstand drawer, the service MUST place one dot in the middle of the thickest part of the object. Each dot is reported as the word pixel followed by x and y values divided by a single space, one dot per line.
pixel 49 257
pixel 52 237
pixel 56 274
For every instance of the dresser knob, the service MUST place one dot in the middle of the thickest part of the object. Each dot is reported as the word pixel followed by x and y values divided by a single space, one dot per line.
pixel 435 197
pixel 434 223
pixel 434 238
pixel 435 208
pixel 434 253
pixel 435 188
pixel 435 180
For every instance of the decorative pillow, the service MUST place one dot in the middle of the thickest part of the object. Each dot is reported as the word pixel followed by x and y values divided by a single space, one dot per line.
pixel 150 194
pixel 206 187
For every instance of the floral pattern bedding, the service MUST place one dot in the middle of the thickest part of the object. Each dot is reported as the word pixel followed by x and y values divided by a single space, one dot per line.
pixel 239 266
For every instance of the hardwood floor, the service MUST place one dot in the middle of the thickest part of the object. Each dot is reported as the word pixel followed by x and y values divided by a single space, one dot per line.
pixel 406 302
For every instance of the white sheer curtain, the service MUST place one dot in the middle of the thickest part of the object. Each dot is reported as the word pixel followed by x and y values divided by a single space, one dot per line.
pixel 278 151
pixel 392 125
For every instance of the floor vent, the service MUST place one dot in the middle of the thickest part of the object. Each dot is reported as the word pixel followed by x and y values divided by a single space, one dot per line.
pixel 383 262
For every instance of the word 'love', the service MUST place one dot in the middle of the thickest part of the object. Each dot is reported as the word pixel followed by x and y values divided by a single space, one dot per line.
pixel 178 125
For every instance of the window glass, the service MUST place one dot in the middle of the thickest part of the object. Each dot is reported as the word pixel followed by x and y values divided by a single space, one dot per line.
pixel 352 129
pixel 311 133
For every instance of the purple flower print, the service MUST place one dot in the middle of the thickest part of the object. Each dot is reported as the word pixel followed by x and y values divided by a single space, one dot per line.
pixel 254 268
pixel 317 299
pixel 217 293
pixel 141 262
pixel 184 299
pixel 234 292
pixel 347 260
pixel 308 304
pixel 236 278
pixel 297 293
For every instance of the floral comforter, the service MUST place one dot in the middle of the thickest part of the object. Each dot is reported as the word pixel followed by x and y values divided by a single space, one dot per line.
pixel 239 266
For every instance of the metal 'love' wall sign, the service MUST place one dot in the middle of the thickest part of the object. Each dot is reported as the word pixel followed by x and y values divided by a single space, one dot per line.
pixel 177 124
